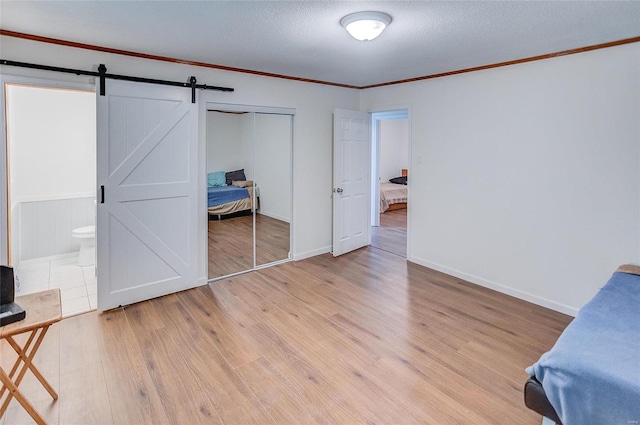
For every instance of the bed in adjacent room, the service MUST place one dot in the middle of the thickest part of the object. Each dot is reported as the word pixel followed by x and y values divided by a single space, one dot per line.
pixel 394 193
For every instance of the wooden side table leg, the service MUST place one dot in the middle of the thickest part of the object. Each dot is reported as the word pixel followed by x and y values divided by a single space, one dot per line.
pixel 22 353
pixel 15 392
pixel 21 356
pixel 27 363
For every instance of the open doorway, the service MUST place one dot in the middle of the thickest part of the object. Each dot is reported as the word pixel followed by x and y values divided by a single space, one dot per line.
pixel 51 180
pixel 390 171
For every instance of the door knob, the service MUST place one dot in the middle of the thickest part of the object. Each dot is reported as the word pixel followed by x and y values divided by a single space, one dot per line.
pixel 339 190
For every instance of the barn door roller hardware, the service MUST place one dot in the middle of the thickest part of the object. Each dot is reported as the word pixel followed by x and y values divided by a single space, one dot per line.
pixel 102 74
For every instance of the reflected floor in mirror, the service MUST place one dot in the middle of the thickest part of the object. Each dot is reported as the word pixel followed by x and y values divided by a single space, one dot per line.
pixel 230 243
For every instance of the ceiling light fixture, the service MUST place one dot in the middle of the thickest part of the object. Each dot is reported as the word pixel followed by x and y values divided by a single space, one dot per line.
pixel 365 26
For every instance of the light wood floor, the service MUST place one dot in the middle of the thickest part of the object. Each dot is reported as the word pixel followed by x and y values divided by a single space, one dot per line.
pixel 363 338
pixel 391 235
pixel 231 243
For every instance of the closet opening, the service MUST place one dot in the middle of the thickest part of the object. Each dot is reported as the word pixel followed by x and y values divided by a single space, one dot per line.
pixel 51 178
pixel 249 188
pixel 389 183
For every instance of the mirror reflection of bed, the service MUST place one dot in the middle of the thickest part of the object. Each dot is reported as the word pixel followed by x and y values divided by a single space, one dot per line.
pixel 248 190
pixel 391 235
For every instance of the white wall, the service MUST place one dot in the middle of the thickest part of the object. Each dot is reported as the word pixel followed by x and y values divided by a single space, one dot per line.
pixel 313 103
pixel 526 178
pixel 46 226
pixel 51 135
pixel 226 150
pixel 52 143
pixel 394 148
pixel 247 122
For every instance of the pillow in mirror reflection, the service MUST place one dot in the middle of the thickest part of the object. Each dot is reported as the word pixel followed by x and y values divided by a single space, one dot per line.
pixel 242 183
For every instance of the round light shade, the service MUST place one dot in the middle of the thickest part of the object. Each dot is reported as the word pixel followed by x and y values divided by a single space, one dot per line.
pixel 365 26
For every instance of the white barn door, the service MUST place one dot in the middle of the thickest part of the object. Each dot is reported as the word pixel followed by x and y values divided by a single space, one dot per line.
pixel 147 165
pixel 351 181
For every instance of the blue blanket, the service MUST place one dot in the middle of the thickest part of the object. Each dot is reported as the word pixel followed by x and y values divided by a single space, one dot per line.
pixel 592 373
pixel 224 194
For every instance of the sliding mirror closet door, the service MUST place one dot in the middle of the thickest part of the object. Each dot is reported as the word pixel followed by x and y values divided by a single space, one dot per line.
pixel 230 197
pixel 272 161
pixel 249 188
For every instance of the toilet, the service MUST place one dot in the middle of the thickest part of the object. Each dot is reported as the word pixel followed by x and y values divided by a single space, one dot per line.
pixel 86 236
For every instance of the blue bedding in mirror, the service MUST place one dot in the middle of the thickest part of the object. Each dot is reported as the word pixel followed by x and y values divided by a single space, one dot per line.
pixel 224 194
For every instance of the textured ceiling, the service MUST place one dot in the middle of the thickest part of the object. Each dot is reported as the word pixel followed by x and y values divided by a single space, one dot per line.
pixel 304 38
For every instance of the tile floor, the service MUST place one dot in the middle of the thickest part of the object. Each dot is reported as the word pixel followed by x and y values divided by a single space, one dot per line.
pixel 78 285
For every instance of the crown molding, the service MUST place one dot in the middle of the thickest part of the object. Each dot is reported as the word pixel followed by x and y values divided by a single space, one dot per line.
pixel 308 80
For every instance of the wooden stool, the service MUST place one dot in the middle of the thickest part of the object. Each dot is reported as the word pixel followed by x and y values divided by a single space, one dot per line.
pixel 43 309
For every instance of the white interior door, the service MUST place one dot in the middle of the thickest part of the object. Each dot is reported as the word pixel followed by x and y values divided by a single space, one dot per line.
pixel 147 163
pixel 351 181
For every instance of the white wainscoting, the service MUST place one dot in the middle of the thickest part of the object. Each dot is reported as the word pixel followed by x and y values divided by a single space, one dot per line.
pixel 45 226
pixel 15 235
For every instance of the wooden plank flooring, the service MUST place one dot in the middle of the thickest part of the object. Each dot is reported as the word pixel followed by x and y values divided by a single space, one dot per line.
pixel 363 338
pixel 391 235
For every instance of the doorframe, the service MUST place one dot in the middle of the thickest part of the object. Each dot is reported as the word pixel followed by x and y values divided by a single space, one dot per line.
pixel 5 214
pixel 378 115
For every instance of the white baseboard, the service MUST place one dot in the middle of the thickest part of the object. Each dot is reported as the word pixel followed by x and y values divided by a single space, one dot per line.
pixel 313 253
pixel 274 216
pixel 498 287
